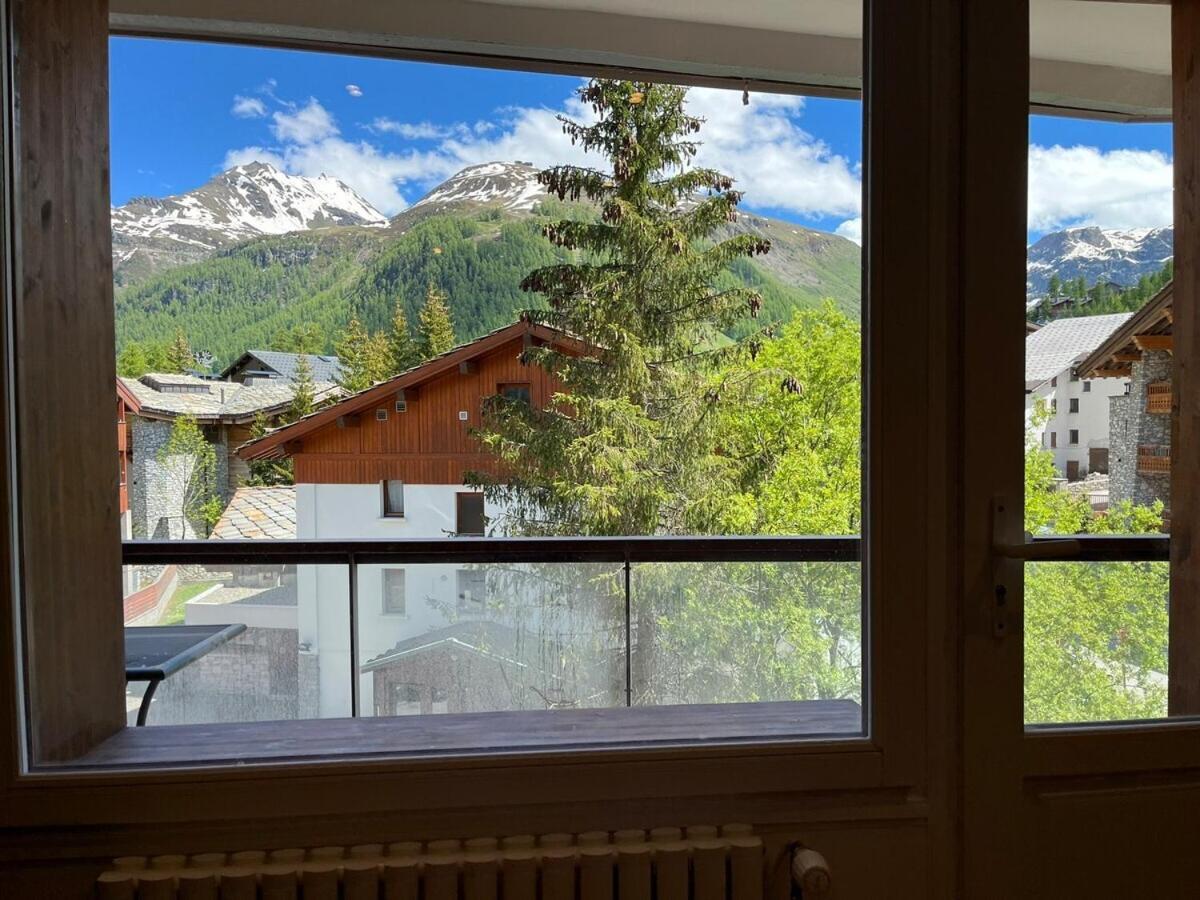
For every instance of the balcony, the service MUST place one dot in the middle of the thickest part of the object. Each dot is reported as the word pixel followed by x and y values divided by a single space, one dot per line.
pixel 1158 398
pixel 1154 460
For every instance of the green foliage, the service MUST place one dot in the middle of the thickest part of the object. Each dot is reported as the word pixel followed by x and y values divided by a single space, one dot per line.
pixel 630 445
pixel 304 398
pixel 1098 299
pixel 365 358
pixel 437 329
pixel 304 337
pixel 404 350
pixel 189 464
pixel 1095 633
pixel 267 472
pixel 179 355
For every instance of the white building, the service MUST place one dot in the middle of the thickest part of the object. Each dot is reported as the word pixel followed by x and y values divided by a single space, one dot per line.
pixel 1076 430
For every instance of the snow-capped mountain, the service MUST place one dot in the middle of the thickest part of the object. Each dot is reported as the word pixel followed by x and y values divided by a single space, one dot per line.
pixel 507 186
pixel 244 202
pixel 1120 257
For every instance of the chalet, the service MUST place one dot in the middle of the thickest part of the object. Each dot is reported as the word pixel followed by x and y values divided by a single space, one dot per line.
pixel 1138 355
pixel 389 462
pixel 225 410
pixel 271 365
pixel 1076 431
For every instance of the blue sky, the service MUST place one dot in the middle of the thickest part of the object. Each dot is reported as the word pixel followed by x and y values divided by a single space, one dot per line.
pixel 183 111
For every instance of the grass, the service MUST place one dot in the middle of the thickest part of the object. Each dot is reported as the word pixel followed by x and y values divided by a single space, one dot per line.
pixel 173 615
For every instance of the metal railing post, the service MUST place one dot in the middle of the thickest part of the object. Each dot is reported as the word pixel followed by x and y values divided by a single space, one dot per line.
pixel 352 564
pixel 628 637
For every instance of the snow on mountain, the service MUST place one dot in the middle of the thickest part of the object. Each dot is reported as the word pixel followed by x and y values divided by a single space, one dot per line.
pixel 244 202
pixel 1099 255
pixel 510 186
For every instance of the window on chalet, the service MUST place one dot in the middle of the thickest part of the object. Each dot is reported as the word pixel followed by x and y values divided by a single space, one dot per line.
pixel 1074 405
pixel 517 392
pixel 1054 439
pixel 393 498
pixel 470 517
pixel 394 600
pixel 1074 436
pixel 1087 387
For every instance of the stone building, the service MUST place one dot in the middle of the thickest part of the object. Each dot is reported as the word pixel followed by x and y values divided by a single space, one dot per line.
pixel 224 410
pixel 1140 419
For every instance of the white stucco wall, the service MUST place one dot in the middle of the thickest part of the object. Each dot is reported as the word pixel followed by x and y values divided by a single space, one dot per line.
pixel 431 591
pixel 1091 421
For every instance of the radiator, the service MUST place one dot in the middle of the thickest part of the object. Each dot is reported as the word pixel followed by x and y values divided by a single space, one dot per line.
pixel 697 863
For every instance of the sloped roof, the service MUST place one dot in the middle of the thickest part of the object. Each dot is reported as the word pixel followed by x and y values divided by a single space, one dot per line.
pixel 1155 317
pixel 1058 344
pixel 168 396
pixel 258 513
pixel 324 368
pixel 484 638
pixel 271 444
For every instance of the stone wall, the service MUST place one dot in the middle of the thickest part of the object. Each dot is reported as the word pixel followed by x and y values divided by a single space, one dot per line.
pixel 1130 426
pixel 155 500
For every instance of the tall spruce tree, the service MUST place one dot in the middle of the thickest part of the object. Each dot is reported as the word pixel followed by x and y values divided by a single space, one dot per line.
pixel 630 444
pixel 437 328
pixel 179 355
pixel 304 398
pixel 404 351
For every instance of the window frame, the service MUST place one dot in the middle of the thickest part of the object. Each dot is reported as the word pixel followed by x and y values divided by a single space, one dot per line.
pixel 387 511
pixel 385 574
pixel 896 262
pixel 459 498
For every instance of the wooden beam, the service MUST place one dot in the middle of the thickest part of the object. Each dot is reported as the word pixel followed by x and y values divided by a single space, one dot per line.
pixel 1183 658
pixel 1154 342
pixel 1113 372
pixel 70 554
pixel 1128 356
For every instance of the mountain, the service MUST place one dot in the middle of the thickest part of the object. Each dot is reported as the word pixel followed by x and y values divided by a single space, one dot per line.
pixel 150 234
pixel 507 187
pixel 475 236
pixel 1099 255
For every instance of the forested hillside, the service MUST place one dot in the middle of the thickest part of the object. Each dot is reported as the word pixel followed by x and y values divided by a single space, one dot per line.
pixel 245 296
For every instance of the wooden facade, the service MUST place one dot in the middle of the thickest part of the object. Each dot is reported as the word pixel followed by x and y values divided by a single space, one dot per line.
pixel 417 427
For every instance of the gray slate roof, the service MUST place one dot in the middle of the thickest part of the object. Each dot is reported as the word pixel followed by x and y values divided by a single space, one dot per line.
pixel 258 513
pixel 209 401
pixel 1058 344
pixel 324 368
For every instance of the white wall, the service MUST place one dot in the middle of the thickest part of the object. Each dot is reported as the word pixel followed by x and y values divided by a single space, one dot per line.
pixel 1091 421
pixel 431 595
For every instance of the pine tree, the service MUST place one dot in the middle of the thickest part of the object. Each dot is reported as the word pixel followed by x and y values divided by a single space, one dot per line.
pixel 132 361
pixel 403 349
pixel 179 355
pixel 437 329
pixel 352 351
pixel 304 398
pixel 630 445
pixel 267 472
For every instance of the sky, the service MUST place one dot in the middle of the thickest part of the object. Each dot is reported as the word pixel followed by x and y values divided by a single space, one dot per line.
pixel 181 112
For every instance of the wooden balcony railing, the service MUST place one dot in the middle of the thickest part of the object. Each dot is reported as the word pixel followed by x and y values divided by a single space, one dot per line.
pixel 1158 397
pixel 1153 460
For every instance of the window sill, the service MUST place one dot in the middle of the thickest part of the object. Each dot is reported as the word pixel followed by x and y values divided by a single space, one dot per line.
pixel 475 735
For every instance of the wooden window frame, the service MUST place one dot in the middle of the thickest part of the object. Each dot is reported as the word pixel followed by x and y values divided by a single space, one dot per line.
pixel 508 385
pixel 912 298
pixel 459 498
pixel 387 511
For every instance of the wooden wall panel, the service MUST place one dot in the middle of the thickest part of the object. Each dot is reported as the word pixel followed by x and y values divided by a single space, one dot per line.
pixel 427 444
pixel 63 312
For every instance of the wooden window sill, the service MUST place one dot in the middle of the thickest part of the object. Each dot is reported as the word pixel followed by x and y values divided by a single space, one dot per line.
pixel 474 735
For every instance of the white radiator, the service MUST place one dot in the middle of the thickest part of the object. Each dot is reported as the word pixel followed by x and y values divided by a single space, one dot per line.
pixel 697 863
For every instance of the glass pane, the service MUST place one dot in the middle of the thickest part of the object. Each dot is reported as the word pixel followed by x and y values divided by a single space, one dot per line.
pixel 488 638
pixel 1098 366
pixel 287 655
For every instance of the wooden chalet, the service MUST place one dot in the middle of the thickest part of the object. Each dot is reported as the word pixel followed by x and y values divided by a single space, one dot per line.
pixel 1150 329
pixel 127 405
pixel 416 427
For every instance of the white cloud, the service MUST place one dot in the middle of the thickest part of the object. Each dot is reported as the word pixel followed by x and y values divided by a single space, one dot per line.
pixel 417 131
pixel 354 90
pixel 304 124
pixel 248 107
pixel 1087 186
pixel 851 230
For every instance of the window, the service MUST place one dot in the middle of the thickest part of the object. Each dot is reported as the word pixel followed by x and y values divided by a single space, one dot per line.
pixel 393 498
pixel 406 699
pixel 517 392
pixel 472 590
pixel 1054 406
pixel 1074 437
pixel 1054 381
pixel 470 518
pixel 393 592
pixel 401 406
pixel 1074 375
pixel 1074 407
pixel 1087 387
pixel 1054 439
